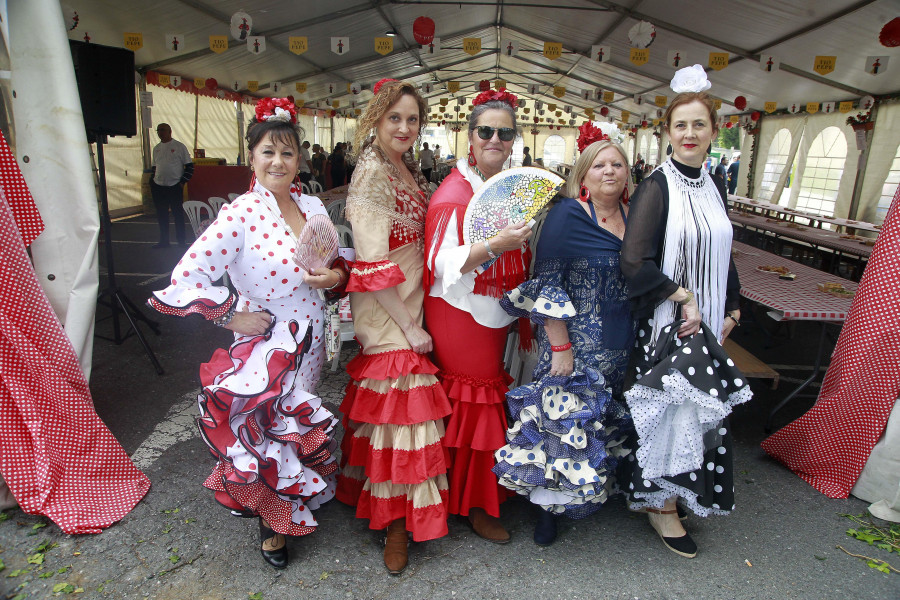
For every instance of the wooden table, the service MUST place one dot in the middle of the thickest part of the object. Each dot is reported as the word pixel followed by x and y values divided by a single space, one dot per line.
pixel 790 214
pixel 797 300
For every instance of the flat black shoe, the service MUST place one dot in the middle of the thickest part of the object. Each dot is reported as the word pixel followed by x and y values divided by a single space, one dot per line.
pixel 276 558
pixel 545 528
pixel 682 546
pixel 682 514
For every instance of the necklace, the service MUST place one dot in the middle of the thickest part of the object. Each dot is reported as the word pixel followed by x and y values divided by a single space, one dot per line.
pixel 603 219
pixel 479 173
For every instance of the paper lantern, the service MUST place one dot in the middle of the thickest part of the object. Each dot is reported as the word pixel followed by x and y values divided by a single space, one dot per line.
pixel 537 119
pixel 604 111
pixel 423 30
pixel 890 33
pixel 755 115
pixel 740 103
pixel 211 84
pixel 643 123
pixel 332 113
pixel 484 85
pixel 729 125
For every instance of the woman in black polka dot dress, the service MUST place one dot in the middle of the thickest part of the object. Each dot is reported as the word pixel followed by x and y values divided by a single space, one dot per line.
pixel 684 291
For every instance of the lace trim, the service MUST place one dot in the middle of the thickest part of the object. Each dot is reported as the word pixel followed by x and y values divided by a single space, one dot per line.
pixel 492 382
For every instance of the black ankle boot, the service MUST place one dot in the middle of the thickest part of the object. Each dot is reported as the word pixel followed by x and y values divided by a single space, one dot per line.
pixel 545 528
pixel 276 558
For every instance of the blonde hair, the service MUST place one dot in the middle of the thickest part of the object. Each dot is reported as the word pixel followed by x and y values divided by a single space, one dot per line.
pixel 387 96
pixel 584 162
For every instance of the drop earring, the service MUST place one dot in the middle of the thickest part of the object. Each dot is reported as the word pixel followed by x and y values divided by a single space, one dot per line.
pixel 584 194
pixel 669 150
pixel 709 150
pixel 472 161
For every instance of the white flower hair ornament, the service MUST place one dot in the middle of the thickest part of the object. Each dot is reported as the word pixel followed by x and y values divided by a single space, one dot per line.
pixel 280 115
pixel 611 130
pixel 690 79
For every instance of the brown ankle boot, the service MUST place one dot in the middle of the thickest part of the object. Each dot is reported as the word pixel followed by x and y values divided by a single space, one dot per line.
pixel 487 527
pixel 395 558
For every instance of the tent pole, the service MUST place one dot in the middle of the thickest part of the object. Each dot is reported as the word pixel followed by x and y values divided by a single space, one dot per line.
pixel 145 127
pixel 196 119
pixel 862 164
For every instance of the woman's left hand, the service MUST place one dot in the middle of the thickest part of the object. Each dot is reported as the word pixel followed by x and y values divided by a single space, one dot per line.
pixel 321 278
pixel 562 363
pixel 730 324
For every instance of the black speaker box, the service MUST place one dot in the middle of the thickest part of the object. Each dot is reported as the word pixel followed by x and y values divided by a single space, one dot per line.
pixel 105 77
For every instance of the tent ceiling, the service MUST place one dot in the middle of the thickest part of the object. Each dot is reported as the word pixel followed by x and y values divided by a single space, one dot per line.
pixel 794 31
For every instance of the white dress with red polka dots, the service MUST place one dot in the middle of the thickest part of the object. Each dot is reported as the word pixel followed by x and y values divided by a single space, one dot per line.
pixel 271 435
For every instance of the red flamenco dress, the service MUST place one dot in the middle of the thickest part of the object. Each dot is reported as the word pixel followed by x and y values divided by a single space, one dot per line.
pixel 394 465
pixel 469 329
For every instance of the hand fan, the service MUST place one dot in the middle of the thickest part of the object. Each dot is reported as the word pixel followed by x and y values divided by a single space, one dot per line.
pixel 510 196
pixel 317 245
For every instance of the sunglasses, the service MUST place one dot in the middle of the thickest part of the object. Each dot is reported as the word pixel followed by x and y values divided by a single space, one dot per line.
pixel 506 134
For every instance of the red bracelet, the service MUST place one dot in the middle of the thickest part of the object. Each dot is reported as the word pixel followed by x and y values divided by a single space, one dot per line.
pixel 562 348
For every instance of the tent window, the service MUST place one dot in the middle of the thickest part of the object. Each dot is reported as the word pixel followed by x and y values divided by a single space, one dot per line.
pixel 776 159
pixel 554 151
pixel 645 145
pixel 653 153
pixel 516 155
pixel 888 189
pixel 822 174
pixel 437 136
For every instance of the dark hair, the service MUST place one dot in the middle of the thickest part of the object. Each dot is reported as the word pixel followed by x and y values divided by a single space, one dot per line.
pixel 493 104
pixel 282 131
pixel 687 98
pixel 526 150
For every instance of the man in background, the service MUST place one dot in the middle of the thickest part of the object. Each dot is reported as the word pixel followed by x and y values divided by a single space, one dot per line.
pixel 426 161
pixel 171 167
pixel 305 169
pixel 733 169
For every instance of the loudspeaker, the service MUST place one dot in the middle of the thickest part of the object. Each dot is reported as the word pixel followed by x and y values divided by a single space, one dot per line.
pixel 105 77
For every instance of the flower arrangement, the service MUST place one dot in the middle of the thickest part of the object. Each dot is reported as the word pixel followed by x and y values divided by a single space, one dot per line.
pixel 279 109
pixel 588 134
pixel 502 95
pixel 860 119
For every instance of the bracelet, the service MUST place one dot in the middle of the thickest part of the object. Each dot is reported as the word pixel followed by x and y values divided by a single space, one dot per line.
pixel 731 316
pixel 562 348
pixel 226 318
pixel 487 246
pixel 690 296
pixel 338 284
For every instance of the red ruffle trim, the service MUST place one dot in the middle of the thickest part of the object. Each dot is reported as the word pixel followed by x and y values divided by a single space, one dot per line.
pixel 398 407
pixel 387 275
pixel 397 466
pixel 425 523
pixel 348 488
pixel 473 484
pixel 389 365
pixel 202 306
pixel 476 426
pixel 476 390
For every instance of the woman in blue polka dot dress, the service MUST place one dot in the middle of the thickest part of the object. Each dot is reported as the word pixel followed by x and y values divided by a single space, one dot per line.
pixel 570 423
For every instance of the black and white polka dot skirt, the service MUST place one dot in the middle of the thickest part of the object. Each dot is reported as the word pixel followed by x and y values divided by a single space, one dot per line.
pixel 681 395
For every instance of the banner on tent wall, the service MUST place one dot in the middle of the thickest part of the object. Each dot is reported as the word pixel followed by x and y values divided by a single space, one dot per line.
pixel 384 45
pixel 660 100
pixel 510 47
pixel 163 80
pixel 676 58
pixel 718 60
pixel 823 65
pixel 452 86
pixel 199 83
pixel 134 41
pixel 256 44
pixel 845 107
pixel 298 44
pixel 241 24
pixel 625 116
pixel 812 107
pixel 769 63
pixel 218 43
pixel 552 50
pixel 876 65
pixel 275 87
pixel 471 46
pixel 533 88
pixel 174 42
pixel 601 53
pixel 608 96
pixel 432 47
pixel 717 104
pixel 559 91
pixel 340 45
pixel 175 81
pixel 639 56
pixel 499 84
pixel 828 107
pixel 770 107
pixel 300 87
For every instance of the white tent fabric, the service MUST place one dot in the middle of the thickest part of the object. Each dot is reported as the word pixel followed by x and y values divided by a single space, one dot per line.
pixel 885 142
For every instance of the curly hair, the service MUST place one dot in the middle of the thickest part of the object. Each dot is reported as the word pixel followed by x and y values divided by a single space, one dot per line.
pixel 387 96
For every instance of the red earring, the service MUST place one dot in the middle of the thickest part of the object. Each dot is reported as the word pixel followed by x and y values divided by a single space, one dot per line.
pixel 472 161
pixel 583 194
pixel 252 179
pixel 625 197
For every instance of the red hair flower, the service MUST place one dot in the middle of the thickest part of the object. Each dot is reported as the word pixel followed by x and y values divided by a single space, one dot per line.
pixel 377 86
pixel 502 95
pixel 588 134
pixel 280 109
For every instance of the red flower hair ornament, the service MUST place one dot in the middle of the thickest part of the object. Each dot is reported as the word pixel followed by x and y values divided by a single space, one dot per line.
pixel 278 109
pixel 502 95
pixel 588 134
pixel 377 87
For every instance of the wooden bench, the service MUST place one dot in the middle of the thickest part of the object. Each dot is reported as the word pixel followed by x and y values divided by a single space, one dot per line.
pixel 749 365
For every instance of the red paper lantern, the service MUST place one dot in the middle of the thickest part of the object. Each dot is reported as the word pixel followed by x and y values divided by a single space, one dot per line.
pixel 537 119
pixel 643 123
pixel 754 116
pixel 604 111
pixel 484 85
pixel 211 84
pixel 443 122
pixel 890 33
pixel 332 113
pixel 423 30
pixel 729 125
pixel 740 103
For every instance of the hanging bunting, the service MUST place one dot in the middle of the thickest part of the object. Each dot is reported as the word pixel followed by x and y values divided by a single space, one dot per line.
pixel 384 45
pixel 253 86
pixel 718 60
pixel 174 42
pixel 625 116
pixel 638 99
pixel 340 45
pixel 823 65
pixel 471 46
pixel 559 91
pixel 357 111
pixel 770 107
pixel 71 17
pixel 510 47
pixel 642 34
pixel 676 58
pixel 551 107
pixel 433 47
pixel 423 30
pixel 552 50
pixel 241 24
pixel 444 101
pixel 426 87
pixel 483 85
pixel 609 96
pixel 163 80
pixel 300 86
pixel 332 87
pixel 256 44
pixel 275 86
pixel 298 44
pixel 461 101
pixel 538 105
pixel 845 107
pixel 199 83
pixel 866 103
pixel 828 107
pixel 453 87
pixel 660 100
pixel 717 104
pixel 601 53
pixel 175 81
pixel 769 63
pixel 812 107
pixel 218 43
pixel 876 65
pixel 587 94
pixel 533 88
pixel 639 56
pixel 335 103
pixel 794 108
pixel 499 84
pixel 133 41
pixel 734 118
pixel 354 88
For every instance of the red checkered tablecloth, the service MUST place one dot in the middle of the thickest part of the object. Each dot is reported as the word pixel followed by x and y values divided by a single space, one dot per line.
pixel 799 299
pixel 344 309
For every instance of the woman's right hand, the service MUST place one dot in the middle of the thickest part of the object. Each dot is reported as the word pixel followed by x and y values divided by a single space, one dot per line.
pixel 419 339
pixel 562 363
pixel 690 312
pixel 511 237
pixel 250 323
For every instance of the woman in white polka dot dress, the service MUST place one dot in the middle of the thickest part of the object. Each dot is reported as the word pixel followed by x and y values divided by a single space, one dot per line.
pixel 684 290
pixel 271 435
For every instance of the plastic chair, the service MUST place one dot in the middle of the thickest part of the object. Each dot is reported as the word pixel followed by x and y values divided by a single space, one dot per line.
pixel 193 208
pixel 305 189
pixel 345 235
pixel 336 214
pixel 216 203
pixel 232 196
pixel 315 187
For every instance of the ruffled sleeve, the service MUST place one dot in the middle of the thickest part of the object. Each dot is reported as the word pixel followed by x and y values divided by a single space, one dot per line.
pixel 539 301
pixel 369 203
pixel 192 290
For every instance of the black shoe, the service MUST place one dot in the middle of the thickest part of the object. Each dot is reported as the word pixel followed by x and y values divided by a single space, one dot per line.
pixel 276 558
pixel 682 546
pixel 545 528
pixel 160 245
pixel 682 514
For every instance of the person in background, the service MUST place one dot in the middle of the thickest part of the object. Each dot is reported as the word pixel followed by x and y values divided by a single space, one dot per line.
pixel 338 166
pixel 171 167
pixel 305 164
pixel 318 164
pixel 721 170
pixel 437 152
pixel 426 161
pixel 637 171
pixel 526 157
pixel 733 170
pixel 350 158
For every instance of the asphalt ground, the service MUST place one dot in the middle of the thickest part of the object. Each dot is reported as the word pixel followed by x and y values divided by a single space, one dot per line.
pixel 781 541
